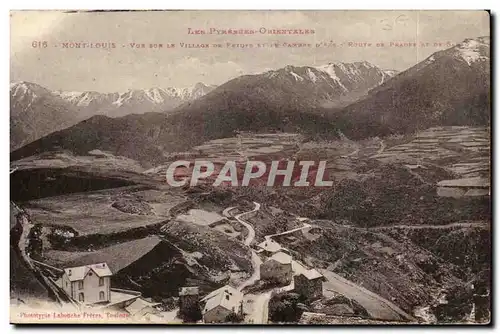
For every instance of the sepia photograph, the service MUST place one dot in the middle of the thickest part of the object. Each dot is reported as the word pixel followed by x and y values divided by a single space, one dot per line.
pixel 264 167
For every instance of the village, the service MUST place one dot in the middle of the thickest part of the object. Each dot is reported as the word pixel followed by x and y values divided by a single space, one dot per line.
pixel 88 288
pixel 229 304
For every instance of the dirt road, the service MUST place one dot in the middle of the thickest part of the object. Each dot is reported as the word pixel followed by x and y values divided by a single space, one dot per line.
pixel 251 231
pixel 306 225
pixel 377 307
pixel 437 227
pixel 258 311
pixel 256 261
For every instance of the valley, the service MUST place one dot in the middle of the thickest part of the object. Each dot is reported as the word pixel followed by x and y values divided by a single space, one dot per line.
pixel 389 258
pixel 400 234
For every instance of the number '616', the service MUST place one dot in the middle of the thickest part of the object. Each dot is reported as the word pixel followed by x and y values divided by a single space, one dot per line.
pixel 39 44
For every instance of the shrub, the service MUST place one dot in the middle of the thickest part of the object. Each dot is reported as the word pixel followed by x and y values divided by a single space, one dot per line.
pixel 285 307
pixel 234 318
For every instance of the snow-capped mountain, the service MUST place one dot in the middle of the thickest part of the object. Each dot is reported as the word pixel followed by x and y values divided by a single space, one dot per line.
pixel 37 111
pixel 473 50
pixel 450 87
pixel 333 83
pixel 134 101
pixel 26 93
pixel 285 99
pixel 358 75
pixel 391 73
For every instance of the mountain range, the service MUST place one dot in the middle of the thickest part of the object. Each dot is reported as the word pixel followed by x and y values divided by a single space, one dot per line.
pixel 37 111
pixel 451 87
pixel 223 110
pixel 136 101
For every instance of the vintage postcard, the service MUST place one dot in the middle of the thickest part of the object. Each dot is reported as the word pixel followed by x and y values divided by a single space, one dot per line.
pixel 250 167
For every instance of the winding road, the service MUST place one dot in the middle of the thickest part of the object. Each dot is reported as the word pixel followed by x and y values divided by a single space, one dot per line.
pixel 251 231
pixel 377 306
pixel 260 302
pixel 256 261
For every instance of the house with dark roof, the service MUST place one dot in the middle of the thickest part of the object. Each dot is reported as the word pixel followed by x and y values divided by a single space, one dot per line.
pixel 278 268
pixel 88 284
pixel 221 303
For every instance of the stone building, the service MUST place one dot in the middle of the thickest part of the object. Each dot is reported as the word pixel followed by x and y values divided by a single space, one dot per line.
pixel 221 303
pixel 88 284
pixel 309 283
pixel 277 268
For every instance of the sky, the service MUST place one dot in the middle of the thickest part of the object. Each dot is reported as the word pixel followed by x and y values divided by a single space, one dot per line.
pixel 124 67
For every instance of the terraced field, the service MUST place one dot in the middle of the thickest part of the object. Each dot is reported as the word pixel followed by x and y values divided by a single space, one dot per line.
pixel 463 150
pixel 250 145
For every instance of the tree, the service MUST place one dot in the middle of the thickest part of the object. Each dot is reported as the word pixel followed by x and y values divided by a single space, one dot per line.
pixel 285 307
pixel 234 318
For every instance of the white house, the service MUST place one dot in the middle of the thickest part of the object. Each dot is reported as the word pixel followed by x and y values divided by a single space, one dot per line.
pixel 221 303
pixel 88 284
